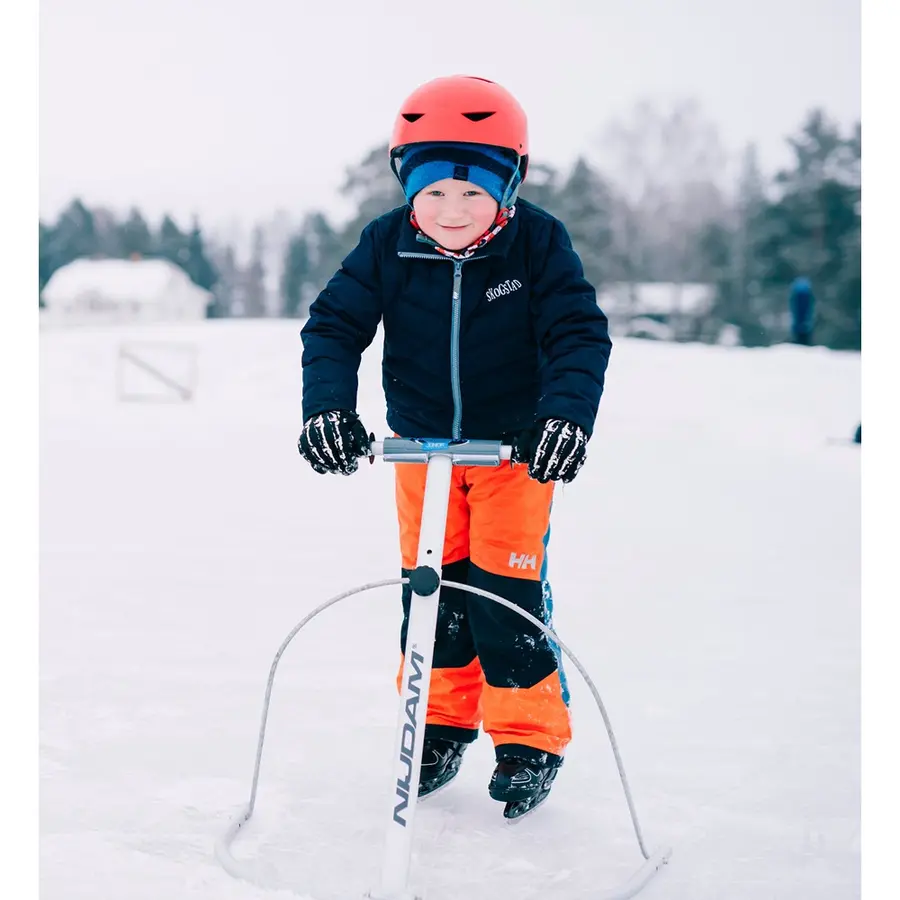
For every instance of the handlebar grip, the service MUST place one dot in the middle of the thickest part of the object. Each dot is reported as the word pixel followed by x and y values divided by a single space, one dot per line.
pixel 461 453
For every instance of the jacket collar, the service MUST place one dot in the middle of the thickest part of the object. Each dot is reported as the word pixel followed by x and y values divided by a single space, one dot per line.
pixel 412 241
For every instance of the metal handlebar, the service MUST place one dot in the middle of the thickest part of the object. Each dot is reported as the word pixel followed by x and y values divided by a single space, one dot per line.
pixel 420 450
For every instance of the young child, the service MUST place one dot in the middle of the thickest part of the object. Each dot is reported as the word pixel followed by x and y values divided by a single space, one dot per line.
pixel 490 331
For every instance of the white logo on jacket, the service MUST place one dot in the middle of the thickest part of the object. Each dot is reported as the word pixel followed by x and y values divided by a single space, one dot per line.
pixel 505 287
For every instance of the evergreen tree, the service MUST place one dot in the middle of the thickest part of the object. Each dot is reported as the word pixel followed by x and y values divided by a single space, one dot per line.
pixel 109 234
pixel 314 254
pixel 135 238
pixel 584 204
pixel 296 276
pixel 46 260
pixel 172 244
pixel 327 247
pixel 198 266
pixel 813 229
pixel 74 235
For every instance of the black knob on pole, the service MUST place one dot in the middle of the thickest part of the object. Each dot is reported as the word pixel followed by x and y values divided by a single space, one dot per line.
pixel 424 580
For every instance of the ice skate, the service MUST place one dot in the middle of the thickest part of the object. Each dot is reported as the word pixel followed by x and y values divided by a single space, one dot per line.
pixel 522 784
pixel 441 760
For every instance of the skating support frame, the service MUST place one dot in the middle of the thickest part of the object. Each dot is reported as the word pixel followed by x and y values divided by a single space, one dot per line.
pixel 440 457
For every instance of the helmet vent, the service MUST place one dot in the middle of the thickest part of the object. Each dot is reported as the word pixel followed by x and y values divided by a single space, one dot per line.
pixel 478 116
pixel 413 117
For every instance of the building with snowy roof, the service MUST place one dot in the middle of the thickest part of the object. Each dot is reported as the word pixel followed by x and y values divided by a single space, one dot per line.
pixel 89 291
pixel 664 311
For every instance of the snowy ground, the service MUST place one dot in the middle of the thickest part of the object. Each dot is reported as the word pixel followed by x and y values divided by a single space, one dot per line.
pixel 706 570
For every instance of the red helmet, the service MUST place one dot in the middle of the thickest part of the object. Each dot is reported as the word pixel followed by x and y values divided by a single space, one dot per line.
pixel 462 109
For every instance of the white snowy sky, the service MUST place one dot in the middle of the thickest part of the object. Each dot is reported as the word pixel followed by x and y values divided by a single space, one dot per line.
pixel 235 108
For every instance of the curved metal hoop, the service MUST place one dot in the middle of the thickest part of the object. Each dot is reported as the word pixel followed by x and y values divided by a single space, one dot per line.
pixel 652 862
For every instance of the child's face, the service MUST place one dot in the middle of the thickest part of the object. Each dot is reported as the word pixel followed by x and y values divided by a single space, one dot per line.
pixel 454 213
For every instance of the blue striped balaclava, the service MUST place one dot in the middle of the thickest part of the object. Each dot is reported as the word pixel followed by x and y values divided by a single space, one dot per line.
pixel 488 167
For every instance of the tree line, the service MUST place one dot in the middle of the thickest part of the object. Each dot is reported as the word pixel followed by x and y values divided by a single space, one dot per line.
pixel 656 200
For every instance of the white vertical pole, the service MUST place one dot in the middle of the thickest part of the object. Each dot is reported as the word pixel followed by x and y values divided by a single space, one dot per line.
pixel 414 688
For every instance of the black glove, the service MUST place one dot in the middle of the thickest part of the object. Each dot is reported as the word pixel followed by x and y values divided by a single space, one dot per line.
pixel 333 442
pixel 554 449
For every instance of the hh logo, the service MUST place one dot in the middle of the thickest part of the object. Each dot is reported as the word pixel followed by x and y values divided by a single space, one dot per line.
pixel 523 561
pixel 505 287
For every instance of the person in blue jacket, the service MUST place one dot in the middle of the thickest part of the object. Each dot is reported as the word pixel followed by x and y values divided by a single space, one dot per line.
pixel 803 308
pixel 491 331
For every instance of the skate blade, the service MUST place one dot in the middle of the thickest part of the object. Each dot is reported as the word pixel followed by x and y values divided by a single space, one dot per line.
pixel 516 811
pixel 425 797
pixel 440 787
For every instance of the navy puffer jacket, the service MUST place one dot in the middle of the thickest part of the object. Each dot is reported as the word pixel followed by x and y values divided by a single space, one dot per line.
pixel 473 348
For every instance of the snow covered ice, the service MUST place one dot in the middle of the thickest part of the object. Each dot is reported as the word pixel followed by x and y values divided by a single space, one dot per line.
pixel 705 567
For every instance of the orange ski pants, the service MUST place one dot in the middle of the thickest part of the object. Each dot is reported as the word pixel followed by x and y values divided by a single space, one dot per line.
pixel 491 666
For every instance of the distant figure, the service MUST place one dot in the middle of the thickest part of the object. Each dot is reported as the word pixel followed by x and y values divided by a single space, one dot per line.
pixel 803 307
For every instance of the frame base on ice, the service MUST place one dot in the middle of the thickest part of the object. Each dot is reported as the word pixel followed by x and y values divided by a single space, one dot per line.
pixel 440 456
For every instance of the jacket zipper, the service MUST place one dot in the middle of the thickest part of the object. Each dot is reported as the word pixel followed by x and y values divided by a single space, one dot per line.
pixel 454 349
pixel 456 317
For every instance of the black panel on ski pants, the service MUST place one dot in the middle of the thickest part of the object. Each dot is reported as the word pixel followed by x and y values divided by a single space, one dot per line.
pixel 511 650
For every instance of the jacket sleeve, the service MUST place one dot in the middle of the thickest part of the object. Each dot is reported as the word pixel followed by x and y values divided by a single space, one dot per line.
pixel 573 333
pixel 342 322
